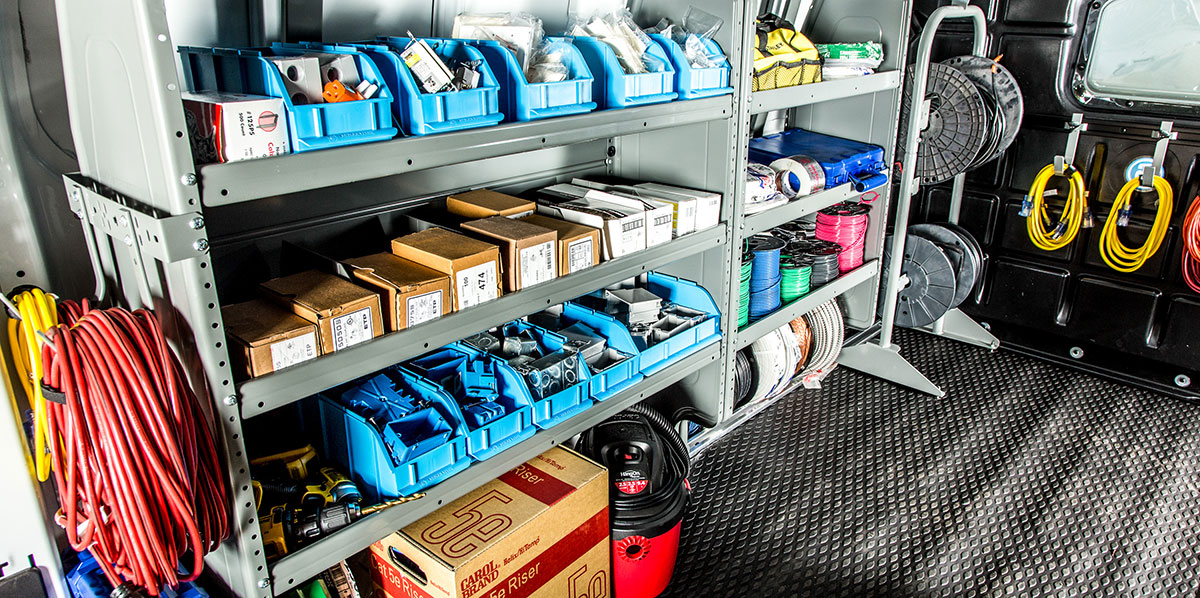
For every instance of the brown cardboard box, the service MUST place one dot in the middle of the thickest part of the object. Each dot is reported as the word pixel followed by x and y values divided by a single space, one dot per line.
pixel 410 293
pixel 473 266
pixel 529 251
pixel 264 337
pixel 482 203
pixel 345 313
pixel 578 244
pixel 538 531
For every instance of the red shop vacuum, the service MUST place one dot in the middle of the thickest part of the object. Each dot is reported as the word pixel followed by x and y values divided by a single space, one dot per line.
pixel 648 466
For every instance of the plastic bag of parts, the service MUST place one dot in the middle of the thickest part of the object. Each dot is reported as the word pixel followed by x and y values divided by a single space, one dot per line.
pixel 617 29
pixel 697 26
pixel 518 31
pixel 843 61
pixel 548 64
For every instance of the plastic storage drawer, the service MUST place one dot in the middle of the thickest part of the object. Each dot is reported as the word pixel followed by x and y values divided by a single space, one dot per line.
pixel 690 82
pixel 310 126
pixel 378 454
pixel 690 295
pixel 843 160
pixel 422 113
pixel 620 374
pixel 616 89
pixel 521 100
pixel 485 441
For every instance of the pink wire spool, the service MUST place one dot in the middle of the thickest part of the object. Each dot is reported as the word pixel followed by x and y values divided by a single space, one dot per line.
pixel 846 224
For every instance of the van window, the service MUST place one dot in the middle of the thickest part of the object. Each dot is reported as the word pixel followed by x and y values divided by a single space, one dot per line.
pixel 1143 51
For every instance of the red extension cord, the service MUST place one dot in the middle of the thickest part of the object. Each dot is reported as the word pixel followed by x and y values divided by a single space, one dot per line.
pixel 135 464
pixel 1191 246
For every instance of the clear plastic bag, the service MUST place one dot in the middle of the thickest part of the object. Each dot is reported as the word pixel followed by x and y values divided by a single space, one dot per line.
pixel 520 32
pixel 621 33
pixel 697 27
pixel 548 64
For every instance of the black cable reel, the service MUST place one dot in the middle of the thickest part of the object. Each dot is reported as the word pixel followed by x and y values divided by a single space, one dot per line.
pixel 944 266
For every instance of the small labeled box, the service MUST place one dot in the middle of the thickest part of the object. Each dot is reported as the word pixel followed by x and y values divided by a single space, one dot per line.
pixel 482 203
pixel 345 313
pixel 410 293
pixel 227 127
pixel 265 338
pixel 578 244
pixel 623 230
pixel 473 265
pixel 529 252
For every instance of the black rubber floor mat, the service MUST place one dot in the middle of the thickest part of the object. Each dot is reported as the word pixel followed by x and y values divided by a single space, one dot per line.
pixel 1026 479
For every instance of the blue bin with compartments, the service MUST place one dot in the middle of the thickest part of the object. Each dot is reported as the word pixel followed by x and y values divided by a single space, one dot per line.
pixel 310 126
pixel 694 298
pixel 693 82
pixel 422 113
pixel 620 367
pixel 614 88
pixel 521 100
pixel 493 424
pixel 395 433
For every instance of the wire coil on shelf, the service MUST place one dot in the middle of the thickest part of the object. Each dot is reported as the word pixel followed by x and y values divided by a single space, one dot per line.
pixel 744 289
pixel 823 257
pixel 846 224
pixel 796 278
pixel 1115 253
pixel 765 277
pixel 828 333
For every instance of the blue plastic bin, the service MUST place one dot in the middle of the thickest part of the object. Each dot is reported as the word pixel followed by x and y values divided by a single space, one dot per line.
pixel 684 293
pixel 87 580
pixel 310 126
pixel 616 89
pixel 356 432
pixel 693 83
pixel 427 113
pixel 617 376
pixel 521 100
pixel 439 367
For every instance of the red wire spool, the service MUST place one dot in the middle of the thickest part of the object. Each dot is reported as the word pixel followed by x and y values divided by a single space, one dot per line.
pixel 846 224
pixel 1191 246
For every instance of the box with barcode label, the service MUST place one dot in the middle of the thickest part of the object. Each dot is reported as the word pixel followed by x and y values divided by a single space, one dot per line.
pixel 528 252
pixel 410 293
pixel 264 337
pixel 473 265
pixel 578 244
pixel 345 314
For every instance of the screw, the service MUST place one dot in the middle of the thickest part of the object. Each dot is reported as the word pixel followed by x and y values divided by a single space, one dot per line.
pixel 1076 353
pixel 123 220
pixel 985 326
pixel 77 194
pixel 264 582
pixel 128 241
pixel 230 400
pixel 197 223
pixel 200 245
pixel 1183 381
pixel 188 179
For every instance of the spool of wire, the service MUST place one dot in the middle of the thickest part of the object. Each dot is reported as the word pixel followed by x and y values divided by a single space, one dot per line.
pixel 765 278
pixel 846 224
pixel 823 257
pixel 744 289
pixel 796 275
pixel 744 377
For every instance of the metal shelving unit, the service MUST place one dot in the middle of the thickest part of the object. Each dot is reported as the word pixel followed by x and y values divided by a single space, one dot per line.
pixel 825 91
pixel 828 292
pixel 797 209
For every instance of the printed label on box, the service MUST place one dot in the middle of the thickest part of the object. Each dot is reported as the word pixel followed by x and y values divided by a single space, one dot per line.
pixel 579 255
pixel 423 308
pixel 476 285
pixel 293 351
pixel 537 264
pixel 352 329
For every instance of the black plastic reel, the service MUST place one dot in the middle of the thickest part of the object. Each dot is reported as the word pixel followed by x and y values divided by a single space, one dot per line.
pixel 932 283
pixel 955 134
pixel 960 248
pixel 994 80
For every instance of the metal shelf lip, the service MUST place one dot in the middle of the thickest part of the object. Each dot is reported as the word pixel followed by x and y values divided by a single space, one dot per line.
pixel 248 180
pixel 308 562
pixel 263 394
pixel 826 91
pixel 798 208
pixel 746 336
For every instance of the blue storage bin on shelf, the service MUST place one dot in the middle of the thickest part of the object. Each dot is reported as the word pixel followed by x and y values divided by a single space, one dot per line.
pixel 521 100
pixel 445 367
pixel 691 296
pixel 310 126
pixel 620 368
pixel 370 429
pixel 690 82
pixel 428 113
pixel 614 88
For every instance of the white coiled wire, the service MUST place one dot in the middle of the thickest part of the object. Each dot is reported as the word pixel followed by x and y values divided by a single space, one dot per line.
pixel 828 332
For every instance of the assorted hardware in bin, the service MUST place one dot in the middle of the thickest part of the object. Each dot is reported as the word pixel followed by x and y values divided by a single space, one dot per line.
pixel 701 68
pixel 603 343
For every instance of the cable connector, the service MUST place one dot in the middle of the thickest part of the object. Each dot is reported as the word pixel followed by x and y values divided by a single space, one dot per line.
pixel 1026 207
pixel 1088 220
pixel 1059 230
pixel 1123 216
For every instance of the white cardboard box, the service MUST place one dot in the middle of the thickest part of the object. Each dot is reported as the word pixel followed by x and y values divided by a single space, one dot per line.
pixel 227 127
pixel 623 230
pixel 683 208
pixel 660 219
pixel 708 210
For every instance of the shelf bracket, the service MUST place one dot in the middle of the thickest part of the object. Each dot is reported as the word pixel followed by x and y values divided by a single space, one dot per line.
pixel 1076 126
pixel 1165 136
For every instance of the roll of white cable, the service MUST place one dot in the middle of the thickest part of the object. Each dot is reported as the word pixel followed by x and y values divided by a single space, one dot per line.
pixel 828 333
pixel 770 361
pixel 798 176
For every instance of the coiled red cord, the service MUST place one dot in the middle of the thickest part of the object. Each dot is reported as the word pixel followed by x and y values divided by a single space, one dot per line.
pixel 1191 246
pixel 846 224
pixel 139 479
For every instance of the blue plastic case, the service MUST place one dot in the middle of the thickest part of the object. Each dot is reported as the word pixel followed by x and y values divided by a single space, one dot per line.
pixel 843 160
pixel 616 89
pixel 692 296
pixel 521 100
pixel 693 83
pixel 617 376
pixel 310 126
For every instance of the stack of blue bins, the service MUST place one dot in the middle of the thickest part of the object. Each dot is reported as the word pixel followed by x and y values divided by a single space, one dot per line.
pixel 613 369
pixel 697 82
pixel 614 88
pixel 691 297
pixel 521 100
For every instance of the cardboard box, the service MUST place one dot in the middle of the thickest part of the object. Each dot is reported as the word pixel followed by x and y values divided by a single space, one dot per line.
pixel 482 203
pixel 623 231
pixel 228 127
pixel 529 252
pixel 345 313
pixel 683 208
pixel 660 218
pixel 578 245
pixel 409 292
pixel 708 210
pixel 264 337
pixel 473 266
pixel 538 531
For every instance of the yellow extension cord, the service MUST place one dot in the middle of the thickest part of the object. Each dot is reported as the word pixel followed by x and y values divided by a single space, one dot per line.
pixel 1044 234
pixel 1115 253
pixel 39 313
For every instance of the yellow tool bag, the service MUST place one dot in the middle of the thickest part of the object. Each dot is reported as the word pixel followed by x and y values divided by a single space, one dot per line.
pixel 783 57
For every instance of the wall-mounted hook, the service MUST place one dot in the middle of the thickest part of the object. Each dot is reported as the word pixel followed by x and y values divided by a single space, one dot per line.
pixel 1165 136
pixel 1076 126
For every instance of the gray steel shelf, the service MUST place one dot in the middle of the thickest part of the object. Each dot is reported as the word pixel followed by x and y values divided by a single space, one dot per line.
pixel 795 309
pixel 826 91
pixel 304 564
pixel 287 386
pixel 797 208
pixel 236 182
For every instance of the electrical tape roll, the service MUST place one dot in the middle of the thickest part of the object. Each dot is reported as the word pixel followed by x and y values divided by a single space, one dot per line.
pixel 799 176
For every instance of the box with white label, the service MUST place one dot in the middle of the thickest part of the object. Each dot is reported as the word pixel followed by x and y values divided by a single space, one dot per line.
pixel 264 337
pixel 708 208
pixel 578 245
pixel 660 217
pixel 227 127
pixel 473 265
pixel 623 230
pixel 683 208
pixel 345 313
pixel 410 293
pixel 528 252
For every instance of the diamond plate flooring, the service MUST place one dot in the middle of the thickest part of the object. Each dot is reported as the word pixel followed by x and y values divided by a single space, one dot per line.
pixel 1026 479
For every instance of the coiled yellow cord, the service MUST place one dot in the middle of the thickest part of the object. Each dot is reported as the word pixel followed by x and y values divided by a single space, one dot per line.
pixel 1045 235
pixel 38 314
pixel 1115 253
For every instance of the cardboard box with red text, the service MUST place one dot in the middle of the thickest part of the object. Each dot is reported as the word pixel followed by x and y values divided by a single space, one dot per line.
pixel 227 127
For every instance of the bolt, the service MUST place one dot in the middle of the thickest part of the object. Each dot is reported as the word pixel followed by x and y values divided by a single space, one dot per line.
pixel 1183 381
pixel 1076 353
pixel 77 194
pixel 985 326
pixel 200 245
pixel 188 179
pixel 128 241
pixel 264 582
pixel 230 400
pixel 197 223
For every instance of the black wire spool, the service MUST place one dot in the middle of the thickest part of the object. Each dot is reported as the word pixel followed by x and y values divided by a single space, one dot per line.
pixel 932 283
pixel 957 125
pixel 1001 95
pixel 744 378
pixel 960 247
pixel 823 256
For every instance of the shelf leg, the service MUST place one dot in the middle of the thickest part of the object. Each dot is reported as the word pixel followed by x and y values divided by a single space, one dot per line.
pixel 956 325
pixel 887 364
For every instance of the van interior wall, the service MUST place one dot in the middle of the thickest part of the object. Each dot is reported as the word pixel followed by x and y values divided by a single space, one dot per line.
pixel 1140 327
